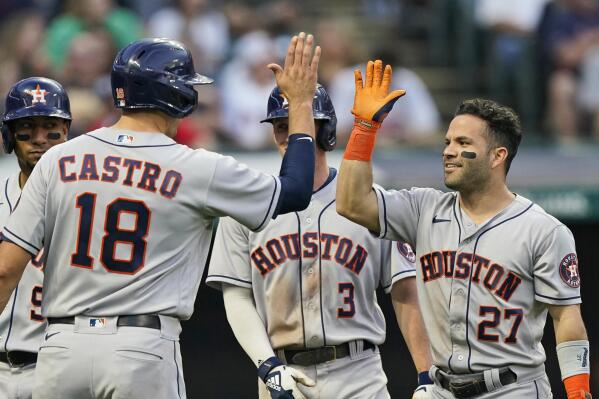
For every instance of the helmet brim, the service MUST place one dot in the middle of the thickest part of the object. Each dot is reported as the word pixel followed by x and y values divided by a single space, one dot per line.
pixel 198 79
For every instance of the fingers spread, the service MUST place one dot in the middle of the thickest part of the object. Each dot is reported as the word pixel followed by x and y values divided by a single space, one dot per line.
pixel 289 58
pixel 299 48
pixel 378 73
pixel 358 79
pixel 307 54
pixel 315 60
pixel 369 72
pixel 387 78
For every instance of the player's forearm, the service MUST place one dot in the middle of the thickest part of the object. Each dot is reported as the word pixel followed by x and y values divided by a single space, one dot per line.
pixel 568 323
pixel 13 260
pixel 301 118
pixel 409 319
pixel 356 200
pixel 246 323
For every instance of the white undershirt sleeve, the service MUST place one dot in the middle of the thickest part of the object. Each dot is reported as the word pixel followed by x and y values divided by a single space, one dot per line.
pixel 246 323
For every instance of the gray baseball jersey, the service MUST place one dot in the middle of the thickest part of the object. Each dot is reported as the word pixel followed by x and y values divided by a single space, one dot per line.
pixel 483 289
pixel 21 323
pixel 125 221
pixel 313 273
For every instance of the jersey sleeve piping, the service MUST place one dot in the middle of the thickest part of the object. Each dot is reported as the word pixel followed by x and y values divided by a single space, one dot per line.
pixel 382 196
pixel 15 239
pixel 220 278
pixel 556 299
pixel 270 208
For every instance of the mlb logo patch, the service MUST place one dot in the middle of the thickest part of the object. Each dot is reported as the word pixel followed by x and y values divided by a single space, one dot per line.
pixel 124 139
pixel 97 323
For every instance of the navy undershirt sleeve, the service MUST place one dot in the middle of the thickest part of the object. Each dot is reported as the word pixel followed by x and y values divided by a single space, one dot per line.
pixel 296 175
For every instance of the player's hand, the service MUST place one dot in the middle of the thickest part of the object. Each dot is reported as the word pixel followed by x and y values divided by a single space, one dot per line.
pixel 580 394
pixel 297 78
pixel 423 392
pixel 282 382
pixel 372 101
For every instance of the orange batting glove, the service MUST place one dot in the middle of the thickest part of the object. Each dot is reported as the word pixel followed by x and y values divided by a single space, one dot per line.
pixel 577 387
pixel 372 103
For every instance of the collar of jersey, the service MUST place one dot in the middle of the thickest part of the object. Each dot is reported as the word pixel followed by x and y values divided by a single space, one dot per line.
pixel 332 175
pixel 140 139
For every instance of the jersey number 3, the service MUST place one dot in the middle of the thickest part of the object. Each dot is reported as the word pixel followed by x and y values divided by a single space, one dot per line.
pixel 134 237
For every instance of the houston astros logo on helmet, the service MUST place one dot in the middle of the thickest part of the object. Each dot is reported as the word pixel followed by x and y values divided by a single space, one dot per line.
pixel 568 270
pixel 39 95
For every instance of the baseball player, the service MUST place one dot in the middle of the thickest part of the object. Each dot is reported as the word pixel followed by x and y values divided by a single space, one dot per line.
pixel 36 117
pixel 124 215
pixel 491 264
pixel 300 295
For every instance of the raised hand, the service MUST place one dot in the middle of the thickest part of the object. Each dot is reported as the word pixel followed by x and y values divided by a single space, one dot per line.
pixel 372 100
pixel 297 78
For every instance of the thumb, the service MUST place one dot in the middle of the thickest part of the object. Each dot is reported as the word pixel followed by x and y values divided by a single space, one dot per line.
pixel 276 69
pixel 302 378
pixel 394 95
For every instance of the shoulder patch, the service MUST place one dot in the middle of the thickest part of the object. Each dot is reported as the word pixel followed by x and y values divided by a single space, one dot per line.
pixel 406 251
pixel 568 270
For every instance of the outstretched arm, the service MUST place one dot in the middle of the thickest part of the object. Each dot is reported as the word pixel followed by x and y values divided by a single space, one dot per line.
pixel 372 102
pixel 13 260
pixel 572 349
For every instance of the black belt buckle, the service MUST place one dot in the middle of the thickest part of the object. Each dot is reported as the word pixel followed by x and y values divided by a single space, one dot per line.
pixel 315 356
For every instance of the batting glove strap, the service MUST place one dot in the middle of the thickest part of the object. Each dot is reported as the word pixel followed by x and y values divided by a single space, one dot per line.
pixel 424 378
pixel 267 366
pixel 573 357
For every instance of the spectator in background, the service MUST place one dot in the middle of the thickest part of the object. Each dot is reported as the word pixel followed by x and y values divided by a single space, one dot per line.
pixel 20 38
pixel 86 75
pixel 82 15
pixel 201 128
pixel 203 29
pixel 572 42
pixel 414 121
pixel 511 26
pixel 244 80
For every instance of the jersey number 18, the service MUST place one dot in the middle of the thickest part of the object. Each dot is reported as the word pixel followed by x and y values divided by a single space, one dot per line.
pixel 135 237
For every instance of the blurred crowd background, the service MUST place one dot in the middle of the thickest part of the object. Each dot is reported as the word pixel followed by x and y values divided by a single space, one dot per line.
pixel 539 56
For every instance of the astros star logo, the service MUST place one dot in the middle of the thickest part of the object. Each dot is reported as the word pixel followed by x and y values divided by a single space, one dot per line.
pixel 39 95
pixel 568 270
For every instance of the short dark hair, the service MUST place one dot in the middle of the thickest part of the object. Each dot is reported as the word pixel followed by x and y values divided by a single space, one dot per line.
pixel 503 124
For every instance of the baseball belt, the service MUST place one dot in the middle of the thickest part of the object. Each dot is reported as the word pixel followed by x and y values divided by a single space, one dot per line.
pixel 469 385
pixel 144 320
pixel 18 358
pixel 310 357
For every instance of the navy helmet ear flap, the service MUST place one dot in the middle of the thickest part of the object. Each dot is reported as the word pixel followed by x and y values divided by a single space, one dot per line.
pixel 326 137
pixel 8 139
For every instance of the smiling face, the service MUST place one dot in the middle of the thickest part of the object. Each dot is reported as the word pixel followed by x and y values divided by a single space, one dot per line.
pixel 467 133
pixel 36 135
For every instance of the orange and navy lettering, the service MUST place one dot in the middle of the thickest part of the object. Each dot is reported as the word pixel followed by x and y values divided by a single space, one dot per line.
pixel 450 264
pixel 111 169
pixel 277 251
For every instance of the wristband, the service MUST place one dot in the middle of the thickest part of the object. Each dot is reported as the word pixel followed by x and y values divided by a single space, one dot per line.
pixel 268 365
pixel 424 378
pixel 361 141
pixel 573 358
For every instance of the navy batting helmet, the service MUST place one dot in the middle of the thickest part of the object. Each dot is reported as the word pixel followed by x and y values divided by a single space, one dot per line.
pixel 29 97
pixel 156 74
pixel 322 109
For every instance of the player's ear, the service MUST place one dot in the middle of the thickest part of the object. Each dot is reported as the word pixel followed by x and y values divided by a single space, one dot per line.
pixel 498 156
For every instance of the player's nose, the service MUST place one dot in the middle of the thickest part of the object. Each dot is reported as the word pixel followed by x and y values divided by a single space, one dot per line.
pixel 39 135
